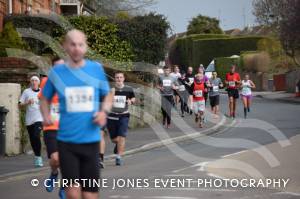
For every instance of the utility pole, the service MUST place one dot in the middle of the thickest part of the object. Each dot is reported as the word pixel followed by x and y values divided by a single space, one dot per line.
pixel 244 17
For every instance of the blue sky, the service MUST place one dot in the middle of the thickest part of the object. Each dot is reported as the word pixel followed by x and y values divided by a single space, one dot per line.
pixel 230 12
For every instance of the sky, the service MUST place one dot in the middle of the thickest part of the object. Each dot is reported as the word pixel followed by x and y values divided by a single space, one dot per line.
pixel 232 13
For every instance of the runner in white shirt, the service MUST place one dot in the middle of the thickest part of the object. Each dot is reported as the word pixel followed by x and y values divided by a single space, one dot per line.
pixel 176 75
pixel 33 119
pixel 246 94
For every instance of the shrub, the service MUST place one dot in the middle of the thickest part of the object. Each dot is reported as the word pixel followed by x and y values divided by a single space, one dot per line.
pixel 222 65
pixel 147 35
pixel 256 62
pixel 10 38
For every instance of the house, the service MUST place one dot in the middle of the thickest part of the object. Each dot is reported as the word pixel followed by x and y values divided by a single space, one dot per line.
pixel 14 7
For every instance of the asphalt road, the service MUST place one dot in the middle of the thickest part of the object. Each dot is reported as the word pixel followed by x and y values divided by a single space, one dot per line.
pixel 264 146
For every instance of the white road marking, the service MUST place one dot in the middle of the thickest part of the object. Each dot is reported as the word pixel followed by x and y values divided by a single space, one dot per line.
pixel 232 154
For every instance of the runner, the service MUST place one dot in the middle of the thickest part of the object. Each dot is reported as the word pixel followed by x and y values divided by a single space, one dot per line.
pixel 189 78
pixel 102 149
pixel 246 94
pixel 176 74
pixel 205 79
pixel 198 99
pixel 183 94
pixel 50 133
pixel 33 118
pixel 166 85
pixel 118 118
pixel 214 94
pixel 79 84
pixel 232 81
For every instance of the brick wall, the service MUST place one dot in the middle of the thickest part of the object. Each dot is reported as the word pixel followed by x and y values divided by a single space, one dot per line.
pixel 3 12
pixel 20 7
pixel 14 70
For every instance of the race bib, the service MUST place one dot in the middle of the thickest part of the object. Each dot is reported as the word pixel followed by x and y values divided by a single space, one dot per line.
pixel 215 88
pixel 198 93
pixel 181 88
pixel 80 99
pixel 54 112
pixel 231 83
pixel 167 83
pixel 119 101
pixel 191 79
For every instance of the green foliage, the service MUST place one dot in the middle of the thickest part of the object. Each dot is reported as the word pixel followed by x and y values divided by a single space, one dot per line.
pixel 222 65
pixel 44 24
pixel 181 51
pixel 147 35
pixel 10 38
pixel 204 25
pixel 102 37
pixel 202 51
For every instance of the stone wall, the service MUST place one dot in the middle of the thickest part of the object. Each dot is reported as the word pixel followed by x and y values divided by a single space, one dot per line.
pixel 10 94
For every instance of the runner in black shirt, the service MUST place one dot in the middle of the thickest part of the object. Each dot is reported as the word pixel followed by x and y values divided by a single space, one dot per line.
pixel 118 118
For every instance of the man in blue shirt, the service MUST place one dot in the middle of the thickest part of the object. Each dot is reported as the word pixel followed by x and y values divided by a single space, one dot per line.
pixel 79 83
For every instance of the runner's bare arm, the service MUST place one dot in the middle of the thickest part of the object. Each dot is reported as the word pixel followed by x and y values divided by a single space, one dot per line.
pixel 100 117
pixel 252 84
pixel 45 110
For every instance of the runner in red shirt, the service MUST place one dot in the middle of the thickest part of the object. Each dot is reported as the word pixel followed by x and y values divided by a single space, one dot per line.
pixel 198 89
pixel 50 133
pixel 232 81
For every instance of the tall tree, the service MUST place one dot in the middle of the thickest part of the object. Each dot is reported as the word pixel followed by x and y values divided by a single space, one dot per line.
pixel 284 17
pixel 204 25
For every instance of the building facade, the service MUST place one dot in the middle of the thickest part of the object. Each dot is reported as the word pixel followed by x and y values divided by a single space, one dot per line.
pixel 10 7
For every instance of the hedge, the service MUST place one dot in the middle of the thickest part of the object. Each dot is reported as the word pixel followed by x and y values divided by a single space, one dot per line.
pixel 202 51
pixel 222 65
pixel 182 50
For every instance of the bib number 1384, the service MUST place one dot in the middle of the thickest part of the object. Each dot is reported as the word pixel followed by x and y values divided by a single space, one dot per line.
pixel 79 99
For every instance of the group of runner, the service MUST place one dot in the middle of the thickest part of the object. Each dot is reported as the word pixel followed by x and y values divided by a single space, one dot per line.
pixel 75 103
pixel 73 106
pixel 194 90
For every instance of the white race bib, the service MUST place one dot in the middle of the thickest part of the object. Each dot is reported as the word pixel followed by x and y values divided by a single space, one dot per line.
pixel 167 83
pixel 198 93
pixel 215 88
pixel 119 101
pixel 231 83
pixel 80 99
pixel 54 112
pixel 191 80
pixel 181 88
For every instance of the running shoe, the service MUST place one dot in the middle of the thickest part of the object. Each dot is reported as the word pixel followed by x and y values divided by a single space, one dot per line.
pixel 119 161
pixel 62 193
pixel 38 161
pixel 50 182
pixel 101 164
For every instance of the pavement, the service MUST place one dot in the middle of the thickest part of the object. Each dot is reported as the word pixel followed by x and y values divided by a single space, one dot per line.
pixel 138 140
pixel 265 143
pixel 144 139
pixel 281 96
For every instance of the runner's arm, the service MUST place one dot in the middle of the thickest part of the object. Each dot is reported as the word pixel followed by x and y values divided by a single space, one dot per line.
pixel 252 85
pixel 45 110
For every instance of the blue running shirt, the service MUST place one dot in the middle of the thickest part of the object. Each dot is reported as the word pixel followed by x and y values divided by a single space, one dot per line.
pixel 79 91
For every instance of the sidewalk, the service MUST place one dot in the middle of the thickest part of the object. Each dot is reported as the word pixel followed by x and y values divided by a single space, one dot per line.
pixel 138 140
pixel 279 96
